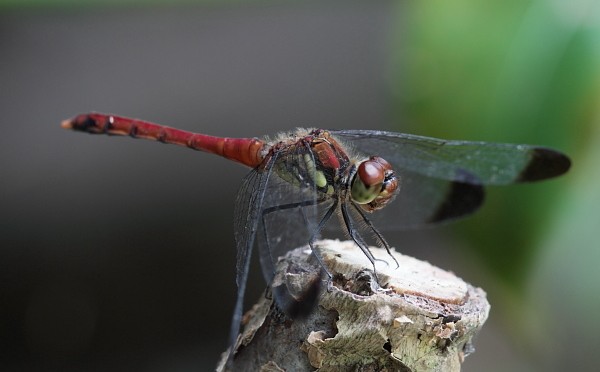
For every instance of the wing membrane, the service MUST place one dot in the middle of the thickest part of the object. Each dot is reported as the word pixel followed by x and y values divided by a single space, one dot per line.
pixel 290 213
pixel 490 163
pixel 425 201
pixel 277 208
pixel 442 180
pixel 247 209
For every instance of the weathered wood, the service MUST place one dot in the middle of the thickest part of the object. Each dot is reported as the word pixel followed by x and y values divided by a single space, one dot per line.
pixel 414 317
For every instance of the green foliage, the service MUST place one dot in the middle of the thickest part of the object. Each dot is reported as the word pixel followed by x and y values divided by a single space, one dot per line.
pixel 503 71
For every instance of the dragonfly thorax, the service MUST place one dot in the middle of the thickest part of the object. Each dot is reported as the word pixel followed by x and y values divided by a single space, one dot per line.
pixel 374 184
pixel 310 159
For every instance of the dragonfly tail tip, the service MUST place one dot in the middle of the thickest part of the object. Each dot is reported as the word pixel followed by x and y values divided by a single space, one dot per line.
pixel 67 124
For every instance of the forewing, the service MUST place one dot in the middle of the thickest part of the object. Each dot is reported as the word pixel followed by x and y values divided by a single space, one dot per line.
pixel 442 180
pixel 462 161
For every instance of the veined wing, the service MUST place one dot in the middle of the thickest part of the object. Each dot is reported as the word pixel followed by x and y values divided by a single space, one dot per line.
pixel 289 217
pixel 246 216
pixel 277 210
pixel 442 180
pixel 490 163
pixel 426 201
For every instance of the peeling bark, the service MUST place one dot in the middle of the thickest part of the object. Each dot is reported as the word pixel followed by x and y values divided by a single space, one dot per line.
pixel 414 317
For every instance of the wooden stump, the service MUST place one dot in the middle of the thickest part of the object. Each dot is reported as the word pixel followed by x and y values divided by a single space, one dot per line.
pixel 414 317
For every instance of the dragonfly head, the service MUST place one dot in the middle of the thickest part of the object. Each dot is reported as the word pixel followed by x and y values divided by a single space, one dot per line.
pixel 374 184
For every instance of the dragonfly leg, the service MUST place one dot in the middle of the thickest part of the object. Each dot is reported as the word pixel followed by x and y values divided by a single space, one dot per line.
pixel 355 235
pixel 316 233
pixel 381 240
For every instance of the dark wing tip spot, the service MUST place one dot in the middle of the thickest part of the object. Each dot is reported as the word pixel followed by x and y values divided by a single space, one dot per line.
pixel 461 199
pixel 544 163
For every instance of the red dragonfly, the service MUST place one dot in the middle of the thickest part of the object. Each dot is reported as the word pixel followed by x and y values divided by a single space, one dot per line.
pixel 299 180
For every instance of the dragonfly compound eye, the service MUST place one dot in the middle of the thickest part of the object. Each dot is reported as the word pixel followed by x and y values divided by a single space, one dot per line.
pixel 374 184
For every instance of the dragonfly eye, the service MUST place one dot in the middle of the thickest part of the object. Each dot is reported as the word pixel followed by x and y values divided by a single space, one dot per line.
pixel 374 184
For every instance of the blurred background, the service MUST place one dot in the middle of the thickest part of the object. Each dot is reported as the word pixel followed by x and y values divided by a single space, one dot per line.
pixel 112 250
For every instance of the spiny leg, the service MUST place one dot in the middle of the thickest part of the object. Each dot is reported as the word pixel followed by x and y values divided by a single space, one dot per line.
pixel 317 231
pixel 354 234
pixel 382 242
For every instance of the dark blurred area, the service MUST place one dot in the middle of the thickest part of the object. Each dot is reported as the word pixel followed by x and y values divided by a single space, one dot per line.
pixel 118 254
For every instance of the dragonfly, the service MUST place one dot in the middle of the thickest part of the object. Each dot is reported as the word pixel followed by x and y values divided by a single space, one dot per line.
pixel 367 179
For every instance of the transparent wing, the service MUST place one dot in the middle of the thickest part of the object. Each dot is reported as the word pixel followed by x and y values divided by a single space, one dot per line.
pixel 246 216
pixel 490 163
pixel 290 213
pixel 277 208
pixel 424 201
pixel 443 180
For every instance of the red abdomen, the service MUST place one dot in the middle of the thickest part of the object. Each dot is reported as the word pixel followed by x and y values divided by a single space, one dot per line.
pixel 248 151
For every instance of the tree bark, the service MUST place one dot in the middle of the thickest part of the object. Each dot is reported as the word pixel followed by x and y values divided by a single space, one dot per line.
pixel 410 317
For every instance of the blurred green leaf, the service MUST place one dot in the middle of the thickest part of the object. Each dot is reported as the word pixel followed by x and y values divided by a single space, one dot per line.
pixel 564 284
pixel 504 71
